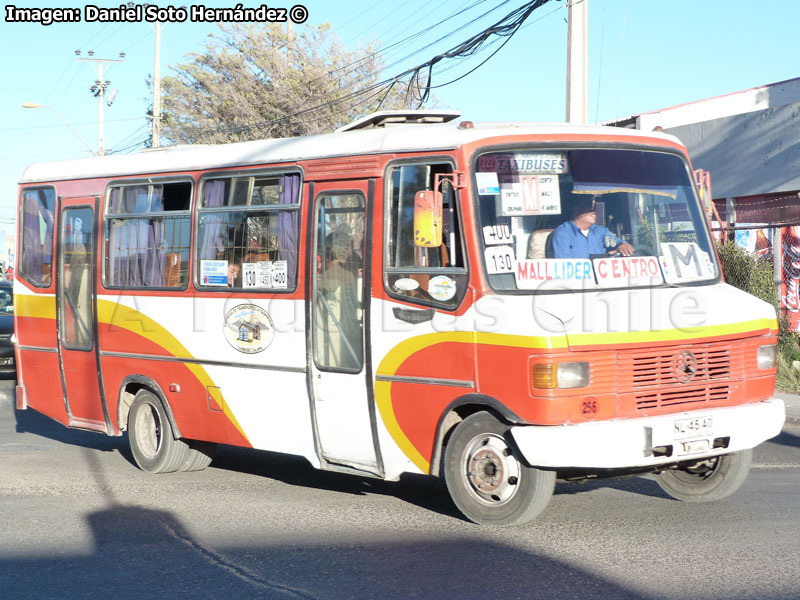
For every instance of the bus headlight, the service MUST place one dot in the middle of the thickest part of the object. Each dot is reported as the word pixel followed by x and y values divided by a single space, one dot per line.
pixel 766 357
pixel 564 375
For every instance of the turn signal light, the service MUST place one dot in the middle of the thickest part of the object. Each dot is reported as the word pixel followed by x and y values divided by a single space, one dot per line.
pixel 544 377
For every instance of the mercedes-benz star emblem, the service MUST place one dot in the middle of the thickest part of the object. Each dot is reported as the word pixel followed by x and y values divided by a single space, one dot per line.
pixel 684 367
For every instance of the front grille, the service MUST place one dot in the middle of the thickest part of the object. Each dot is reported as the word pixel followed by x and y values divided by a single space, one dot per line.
pixel 653 376
pixel 676 397
pixel 656 370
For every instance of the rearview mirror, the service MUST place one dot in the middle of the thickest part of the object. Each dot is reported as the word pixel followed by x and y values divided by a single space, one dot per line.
pixel 428 219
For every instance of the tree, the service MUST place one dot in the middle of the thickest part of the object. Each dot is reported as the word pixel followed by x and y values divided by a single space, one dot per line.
pixel 261 80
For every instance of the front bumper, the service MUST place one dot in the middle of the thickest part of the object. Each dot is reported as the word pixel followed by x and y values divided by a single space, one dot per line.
pixel 650 441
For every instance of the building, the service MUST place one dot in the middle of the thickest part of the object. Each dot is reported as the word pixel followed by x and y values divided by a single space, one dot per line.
pixel 749 142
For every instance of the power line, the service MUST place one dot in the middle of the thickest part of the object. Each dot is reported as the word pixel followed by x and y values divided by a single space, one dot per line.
pixel 450 34
pixel 76 124
pixel 505 27
pixel 361 14
pixel 386 50
pixel 488 45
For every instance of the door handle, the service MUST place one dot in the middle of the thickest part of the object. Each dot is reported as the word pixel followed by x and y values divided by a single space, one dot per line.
pixel 413 316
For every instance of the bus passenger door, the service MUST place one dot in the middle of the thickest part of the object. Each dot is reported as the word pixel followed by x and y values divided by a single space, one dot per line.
pixel 344 417
pixel 76 314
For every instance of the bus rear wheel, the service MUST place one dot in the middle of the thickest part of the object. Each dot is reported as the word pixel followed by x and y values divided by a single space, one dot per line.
pixel 154 448
pixel 707 480
pixel 487 481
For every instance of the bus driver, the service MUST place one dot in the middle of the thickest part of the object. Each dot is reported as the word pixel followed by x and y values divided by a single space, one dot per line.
pixel 581 237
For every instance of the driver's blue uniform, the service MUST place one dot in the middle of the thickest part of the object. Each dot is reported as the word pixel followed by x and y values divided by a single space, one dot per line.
pixel 569 241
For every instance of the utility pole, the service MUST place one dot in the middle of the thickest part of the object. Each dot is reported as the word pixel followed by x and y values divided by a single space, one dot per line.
pixel 99 90
pixel 156 142
pixel 578 61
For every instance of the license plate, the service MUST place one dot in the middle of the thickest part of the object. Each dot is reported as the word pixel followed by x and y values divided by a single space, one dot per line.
pixel 6 361
pixel 696 427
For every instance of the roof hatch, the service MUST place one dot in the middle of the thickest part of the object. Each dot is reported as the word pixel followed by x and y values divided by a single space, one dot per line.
pixel 400 117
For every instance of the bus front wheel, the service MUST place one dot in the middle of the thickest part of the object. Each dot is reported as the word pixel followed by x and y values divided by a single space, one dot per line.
pixel 154 448
pixel 487 481
pixel 707 480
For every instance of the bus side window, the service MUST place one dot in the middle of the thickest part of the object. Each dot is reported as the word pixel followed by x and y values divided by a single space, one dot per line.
pixel 147 232
pixel 430 275
pixel 248 232
pixel 36 236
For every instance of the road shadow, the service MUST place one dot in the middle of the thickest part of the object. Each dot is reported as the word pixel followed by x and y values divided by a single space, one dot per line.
pixel 30 421
pixel 643 485
pixel 143 553
pixel 423 491
pixel 786 438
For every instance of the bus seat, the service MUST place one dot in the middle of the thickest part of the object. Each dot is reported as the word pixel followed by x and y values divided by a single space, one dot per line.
pixel 537 245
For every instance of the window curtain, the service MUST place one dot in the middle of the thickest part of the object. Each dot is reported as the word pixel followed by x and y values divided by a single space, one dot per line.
pixel 116 263
pixel 287 223
pixel 136 250
pixel 213 197
pixel 35 251
pixel 153 257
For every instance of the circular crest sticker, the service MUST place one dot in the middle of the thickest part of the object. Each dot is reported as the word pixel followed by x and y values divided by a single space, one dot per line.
pixel 248 328
pixel 442 288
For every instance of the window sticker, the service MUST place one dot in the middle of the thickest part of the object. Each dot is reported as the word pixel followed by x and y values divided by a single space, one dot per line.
pixel 249 275
pixel 499 259
pixel 570 272
pixel 214 273
pixel 627 270
pixel 497 234
pixel 529 195
pixel 264 274
pixel 685 261
pixel 442 288
pixel 248 328
pixel 487 184
pixel 257 275
pixel 523 162
pixel 279 274
pixel 406 284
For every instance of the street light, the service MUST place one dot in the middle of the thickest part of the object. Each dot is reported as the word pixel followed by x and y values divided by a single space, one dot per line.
pixel 58 114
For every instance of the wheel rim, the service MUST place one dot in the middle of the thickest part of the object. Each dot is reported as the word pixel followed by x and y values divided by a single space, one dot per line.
pixel 148 431
pixel 491 471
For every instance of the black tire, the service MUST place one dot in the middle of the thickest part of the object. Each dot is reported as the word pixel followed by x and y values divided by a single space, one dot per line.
pixel 708 480
pixel 198 455
pixel 487 482
pixel 153 445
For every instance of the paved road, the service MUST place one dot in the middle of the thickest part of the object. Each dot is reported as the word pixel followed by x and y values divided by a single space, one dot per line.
pixel 77 519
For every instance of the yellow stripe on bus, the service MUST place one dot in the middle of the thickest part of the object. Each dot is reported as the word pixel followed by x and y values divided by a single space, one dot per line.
pixel 671 335
pixel 130 319
pixel 34 305
pixel 400 353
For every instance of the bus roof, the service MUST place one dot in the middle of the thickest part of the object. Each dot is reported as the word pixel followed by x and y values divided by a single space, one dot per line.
pixel 416 137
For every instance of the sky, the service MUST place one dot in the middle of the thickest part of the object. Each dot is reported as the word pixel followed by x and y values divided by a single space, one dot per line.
pixel 643 55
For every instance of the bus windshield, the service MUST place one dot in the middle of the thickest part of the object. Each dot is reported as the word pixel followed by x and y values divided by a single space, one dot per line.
pixel 590 218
